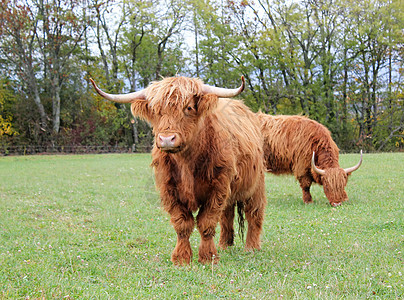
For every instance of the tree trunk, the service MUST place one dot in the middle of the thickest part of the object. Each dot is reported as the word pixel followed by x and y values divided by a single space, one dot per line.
pixel 135 134
pixel 56 104
pixel 41 109
pixel 33 88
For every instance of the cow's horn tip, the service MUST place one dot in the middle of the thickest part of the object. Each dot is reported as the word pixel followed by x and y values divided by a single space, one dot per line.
pixel 242 83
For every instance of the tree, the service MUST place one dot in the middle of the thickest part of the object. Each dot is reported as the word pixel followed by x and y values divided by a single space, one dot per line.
pixel 369 41
pixel 40 38
pixel 18 31
pixel 105 29
pixel 170 26
pixel 217 44
pixel 62 29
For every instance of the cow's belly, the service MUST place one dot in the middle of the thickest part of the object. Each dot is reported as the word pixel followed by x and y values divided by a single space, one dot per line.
pixel 278 167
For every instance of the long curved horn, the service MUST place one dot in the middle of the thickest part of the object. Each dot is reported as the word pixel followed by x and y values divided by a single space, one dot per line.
pixel 354 168
pixel 313 165
pixel 120 98
pixel 223 92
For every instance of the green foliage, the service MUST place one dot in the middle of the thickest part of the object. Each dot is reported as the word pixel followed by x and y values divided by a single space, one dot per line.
pixel 7 100
pixel 217 45
pixel 339 62
pixel 389 134
pixel 91 227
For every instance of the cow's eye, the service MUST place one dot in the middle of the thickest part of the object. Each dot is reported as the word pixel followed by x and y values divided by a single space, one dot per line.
pixel 190 110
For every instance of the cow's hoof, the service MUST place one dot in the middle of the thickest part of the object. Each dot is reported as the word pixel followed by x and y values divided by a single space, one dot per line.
pixel 180 261
pixel 252 248
pixel 207 252
pixel 208 258
pixel 181 258
pixel 224 244
pixel 335 204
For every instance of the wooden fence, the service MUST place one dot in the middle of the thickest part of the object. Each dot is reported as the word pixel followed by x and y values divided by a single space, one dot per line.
pixel 69 149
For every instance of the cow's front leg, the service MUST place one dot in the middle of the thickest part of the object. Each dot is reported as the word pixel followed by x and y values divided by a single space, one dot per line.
pixel 207 220
pixel 305 183
pixel 208 217
pixel 183 223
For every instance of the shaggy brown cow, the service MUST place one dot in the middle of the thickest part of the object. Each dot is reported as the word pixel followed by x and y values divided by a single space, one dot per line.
pixel 303 147
pixel 207 157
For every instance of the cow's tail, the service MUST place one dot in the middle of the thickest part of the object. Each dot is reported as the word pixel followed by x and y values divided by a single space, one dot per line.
pixel 240 212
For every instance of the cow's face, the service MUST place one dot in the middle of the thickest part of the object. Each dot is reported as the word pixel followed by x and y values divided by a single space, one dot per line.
pixel 334 182
pixel 174 123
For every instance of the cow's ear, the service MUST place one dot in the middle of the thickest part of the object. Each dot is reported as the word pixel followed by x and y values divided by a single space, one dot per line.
pixel 207 103
pixel 140 108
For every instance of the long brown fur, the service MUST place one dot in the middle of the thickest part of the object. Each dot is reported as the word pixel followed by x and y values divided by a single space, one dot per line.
pixel 219 164
pixel 289 142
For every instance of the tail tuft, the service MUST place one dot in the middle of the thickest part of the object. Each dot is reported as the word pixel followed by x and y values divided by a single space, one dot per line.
pixel 240 212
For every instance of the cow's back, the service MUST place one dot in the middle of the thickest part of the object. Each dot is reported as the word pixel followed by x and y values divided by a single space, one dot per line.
pixel 289 142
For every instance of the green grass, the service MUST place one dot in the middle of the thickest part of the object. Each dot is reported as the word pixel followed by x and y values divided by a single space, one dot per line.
pixel 91 227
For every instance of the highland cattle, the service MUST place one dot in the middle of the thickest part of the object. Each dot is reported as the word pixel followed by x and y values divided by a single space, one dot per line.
pixel 303 147
pixel 207 158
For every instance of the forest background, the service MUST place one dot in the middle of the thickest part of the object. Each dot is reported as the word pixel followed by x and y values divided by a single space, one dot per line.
pixel 340 62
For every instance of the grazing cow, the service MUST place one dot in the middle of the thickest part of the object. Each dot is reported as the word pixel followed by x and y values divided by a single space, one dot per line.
pixel 207 157
pixel 303 147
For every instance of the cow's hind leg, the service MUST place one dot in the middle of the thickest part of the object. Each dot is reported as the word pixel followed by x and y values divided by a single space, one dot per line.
pixel 254 213
pixel 305 183
pixel 227 227
pixel 183 223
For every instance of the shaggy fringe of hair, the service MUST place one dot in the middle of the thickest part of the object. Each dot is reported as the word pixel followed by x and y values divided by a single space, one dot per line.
pixel 173 91
pixel 335 180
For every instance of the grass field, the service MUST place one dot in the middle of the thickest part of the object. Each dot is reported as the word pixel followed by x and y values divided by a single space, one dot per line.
pixel 91 227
